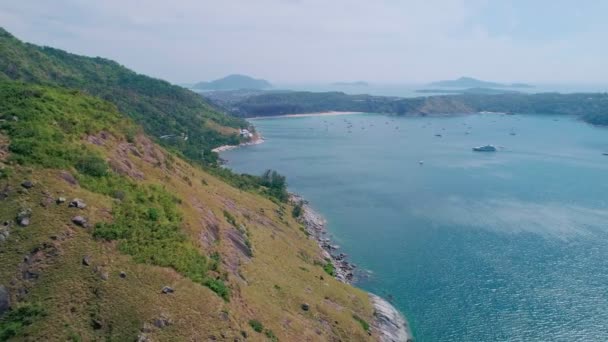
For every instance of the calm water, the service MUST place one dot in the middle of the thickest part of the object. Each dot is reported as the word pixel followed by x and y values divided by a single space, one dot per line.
pixel 511 245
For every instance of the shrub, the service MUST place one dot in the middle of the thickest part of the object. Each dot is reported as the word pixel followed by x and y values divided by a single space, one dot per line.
pixel 297 210
pixel 16 319
pixel 329 268
pixel 256 325
pixel 92 165
pixel 270 335
pixel 362 322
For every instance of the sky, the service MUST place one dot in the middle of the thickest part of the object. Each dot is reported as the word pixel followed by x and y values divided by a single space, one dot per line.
pixel 316 41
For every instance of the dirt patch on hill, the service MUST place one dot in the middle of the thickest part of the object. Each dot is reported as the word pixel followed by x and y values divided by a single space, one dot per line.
pixel 4 142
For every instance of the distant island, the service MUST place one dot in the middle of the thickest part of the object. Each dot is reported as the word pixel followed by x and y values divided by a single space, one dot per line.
pixel 351 84
pixel 486 91
pixel 469 82
pixel 233 82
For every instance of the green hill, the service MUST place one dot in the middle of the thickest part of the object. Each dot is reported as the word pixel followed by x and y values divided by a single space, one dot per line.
pixel 233 82
pixel 161 108
pixel 106 235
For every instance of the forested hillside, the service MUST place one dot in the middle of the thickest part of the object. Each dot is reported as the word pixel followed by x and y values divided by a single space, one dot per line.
pixel 184 120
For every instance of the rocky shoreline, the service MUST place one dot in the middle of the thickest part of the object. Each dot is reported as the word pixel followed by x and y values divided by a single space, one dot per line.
pixel 257 139
pixel 315 225
pixel 389 323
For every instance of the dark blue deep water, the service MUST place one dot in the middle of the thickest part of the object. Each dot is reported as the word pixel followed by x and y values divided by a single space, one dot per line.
pixel 511 245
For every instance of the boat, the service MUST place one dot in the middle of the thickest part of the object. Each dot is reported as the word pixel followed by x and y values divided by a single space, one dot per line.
pixel 486 148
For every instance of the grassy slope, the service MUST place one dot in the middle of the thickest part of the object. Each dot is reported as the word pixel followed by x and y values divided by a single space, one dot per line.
pixel 270 286
pixel 161 108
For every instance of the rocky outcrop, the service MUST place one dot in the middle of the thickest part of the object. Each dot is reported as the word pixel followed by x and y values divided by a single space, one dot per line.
pixel 315 225
pixel 77 203
pixel 389 324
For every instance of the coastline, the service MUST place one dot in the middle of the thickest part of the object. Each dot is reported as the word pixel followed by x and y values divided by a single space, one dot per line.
pixel 257 139
pixel 330 113
pixel 389 323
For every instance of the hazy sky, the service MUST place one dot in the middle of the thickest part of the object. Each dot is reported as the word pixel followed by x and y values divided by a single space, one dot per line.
pixel 329 40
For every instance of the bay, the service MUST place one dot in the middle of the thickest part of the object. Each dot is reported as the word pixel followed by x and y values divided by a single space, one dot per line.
pixel 470 246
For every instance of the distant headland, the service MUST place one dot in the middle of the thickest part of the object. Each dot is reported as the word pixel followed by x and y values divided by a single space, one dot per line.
pixel 469 82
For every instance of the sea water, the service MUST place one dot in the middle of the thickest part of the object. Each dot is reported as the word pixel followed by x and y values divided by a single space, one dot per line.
pixel 509 245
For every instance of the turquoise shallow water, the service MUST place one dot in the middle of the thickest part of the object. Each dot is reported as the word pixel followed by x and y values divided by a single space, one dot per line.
pixel 511 245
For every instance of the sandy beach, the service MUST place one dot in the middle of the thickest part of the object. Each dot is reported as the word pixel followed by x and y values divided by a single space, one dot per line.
pixel 332 113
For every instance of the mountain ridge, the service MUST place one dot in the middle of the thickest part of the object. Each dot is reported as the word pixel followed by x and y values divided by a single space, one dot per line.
pixel 233 82
pixel 469 82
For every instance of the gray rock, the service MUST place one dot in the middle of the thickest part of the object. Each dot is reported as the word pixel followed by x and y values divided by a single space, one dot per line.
pixel 5 300
pixel 24 222
pixel 167 290
pixel 27 184
pixel 162 322
pixel 23 217
pixel 60 200
pixel 122 274
pixel 79 221
pixel 77 203
pixel 86 260
pixel 388 322
pixel 4 233
pixel 305 307
pixel 142 338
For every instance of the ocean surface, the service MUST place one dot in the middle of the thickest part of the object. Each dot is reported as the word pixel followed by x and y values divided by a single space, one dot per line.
pixel 470 246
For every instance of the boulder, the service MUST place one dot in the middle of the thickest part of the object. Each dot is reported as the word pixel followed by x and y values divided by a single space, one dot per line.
pixel 27 184
pixel 5 300
pixel 305 307
pixel 167 290
pixel 66 176
pixel 141 337
pixel 77 203
pixel 122 274
pixel 86 260
pixel 4 233
pixel 79 221
pixel 24 222
pixel 23 217
pixel 60 200
pixel 162 322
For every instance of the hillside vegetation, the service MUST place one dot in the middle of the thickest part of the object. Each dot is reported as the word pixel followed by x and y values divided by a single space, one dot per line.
pixel 162 109
pixel 161 251
pixel 106 235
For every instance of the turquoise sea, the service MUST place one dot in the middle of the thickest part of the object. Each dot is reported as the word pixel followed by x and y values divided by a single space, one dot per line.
pixel 470 246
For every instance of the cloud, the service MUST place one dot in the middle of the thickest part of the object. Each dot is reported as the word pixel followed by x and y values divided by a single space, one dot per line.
pixel 316 40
